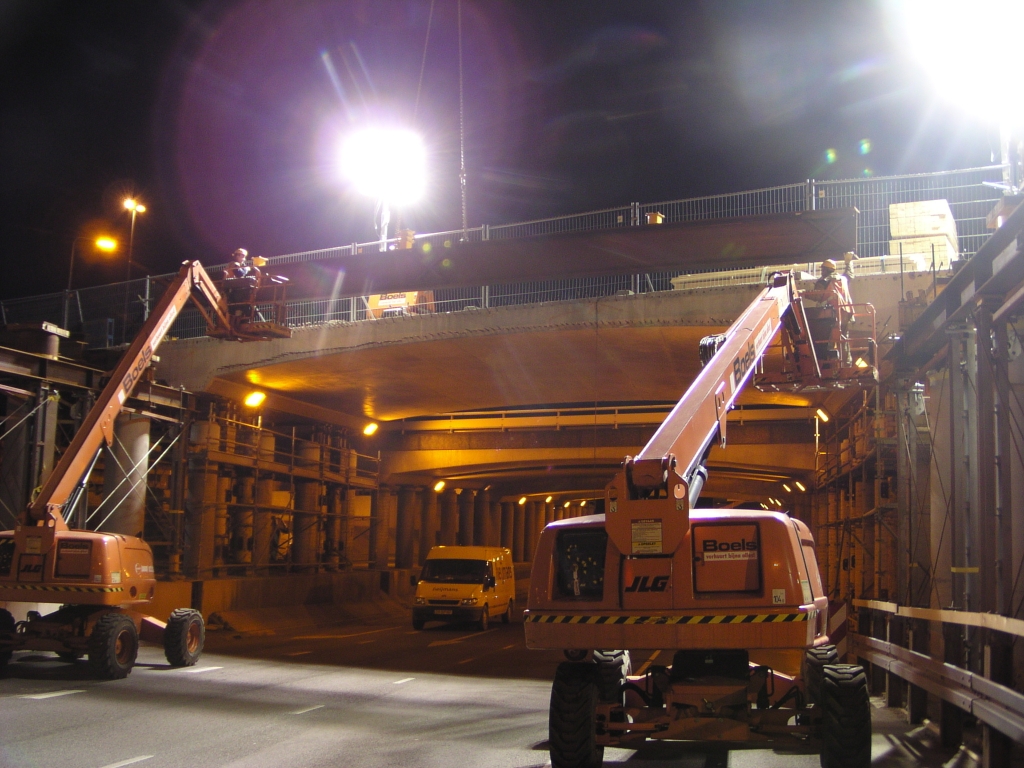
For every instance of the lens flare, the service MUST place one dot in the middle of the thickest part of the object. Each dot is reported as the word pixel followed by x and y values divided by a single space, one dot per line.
pixel 830 156
pixel 386 163
pixel 864 147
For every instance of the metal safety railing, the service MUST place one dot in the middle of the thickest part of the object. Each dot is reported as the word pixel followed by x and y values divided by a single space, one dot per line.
pixel 99 311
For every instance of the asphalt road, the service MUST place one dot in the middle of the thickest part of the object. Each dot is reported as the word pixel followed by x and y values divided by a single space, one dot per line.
pixel 359 696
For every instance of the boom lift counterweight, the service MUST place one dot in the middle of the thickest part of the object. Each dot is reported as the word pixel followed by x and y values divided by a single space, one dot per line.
pixel 733 597
pixel 103 577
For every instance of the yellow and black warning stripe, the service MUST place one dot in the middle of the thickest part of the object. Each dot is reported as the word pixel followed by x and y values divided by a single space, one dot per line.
pixel 48 588
pixel 748 618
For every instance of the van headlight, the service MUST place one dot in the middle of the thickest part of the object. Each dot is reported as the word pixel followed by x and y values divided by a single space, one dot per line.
pixel 469 601
pixel 421 601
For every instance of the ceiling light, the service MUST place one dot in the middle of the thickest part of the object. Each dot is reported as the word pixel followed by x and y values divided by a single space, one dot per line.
pixel 788 489
pixel 583 503
pixel 822 415
pixel 255 399
pixel 370 428
pixel 800 486
pixel 439 486
pixel 522 501
pixel 548 500
pixel 566 505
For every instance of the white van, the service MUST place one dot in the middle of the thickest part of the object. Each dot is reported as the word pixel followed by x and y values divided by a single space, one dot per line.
pixel 465 584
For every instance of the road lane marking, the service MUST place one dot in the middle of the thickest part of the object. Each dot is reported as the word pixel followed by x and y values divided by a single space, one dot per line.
pixel 339 637
pixel 200 670
pixel 129 761
pixel 403 680
pixel 51 694
pixel 466 661
pixel 509 646
pixel 455 640
pixel 646 664
pixel 298 653
pixel 307 709
pixel 365 642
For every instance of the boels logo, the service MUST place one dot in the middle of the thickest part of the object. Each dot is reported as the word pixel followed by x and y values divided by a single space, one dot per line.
pixel 742 363
pixel 128 382
pixel 710 545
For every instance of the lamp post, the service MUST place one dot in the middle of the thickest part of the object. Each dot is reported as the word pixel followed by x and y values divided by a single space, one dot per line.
pixel 133 205
pixel 103 243
pixel 388 165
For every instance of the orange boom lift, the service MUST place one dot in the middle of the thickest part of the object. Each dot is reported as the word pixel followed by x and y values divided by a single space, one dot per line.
pixel 106 579
pixel 731 599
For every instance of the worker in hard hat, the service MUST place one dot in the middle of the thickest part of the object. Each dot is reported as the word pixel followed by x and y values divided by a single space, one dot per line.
pixel 832 292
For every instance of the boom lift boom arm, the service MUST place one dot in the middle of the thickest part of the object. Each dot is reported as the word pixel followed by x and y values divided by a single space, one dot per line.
pixel 65 482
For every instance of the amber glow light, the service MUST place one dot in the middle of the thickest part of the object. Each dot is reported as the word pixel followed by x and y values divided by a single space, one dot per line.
pixel 370 428
pixel 255 399
pixel 439 486
pixel 522 501
pixel 107 244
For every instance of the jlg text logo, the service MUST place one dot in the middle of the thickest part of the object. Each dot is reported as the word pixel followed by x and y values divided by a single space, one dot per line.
pixel 643 584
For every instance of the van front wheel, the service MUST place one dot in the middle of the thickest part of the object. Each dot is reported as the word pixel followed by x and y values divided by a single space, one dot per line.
pixel 506 617
pixel 485 618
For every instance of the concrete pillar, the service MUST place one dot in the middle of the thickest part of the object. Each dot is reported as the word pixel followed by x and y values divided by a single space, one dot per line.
pixel 494 524
pixel 408 506
pixel 200 527
pixel 306 526
pixel 381 505
pixel 466 499
pixel 519 533
pixel 549 512
pixel 263 521
pixel 507 524
pixel 428 523
pixel 243 520
pixel 481 510
pixel 530 527
pixel 333 542
pixel 222 534
pixel 125 467
pixel 449 503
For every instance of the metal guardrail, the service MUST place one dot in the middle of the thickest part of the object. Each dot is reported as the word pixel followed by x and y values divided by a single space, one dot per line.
pixel 98 311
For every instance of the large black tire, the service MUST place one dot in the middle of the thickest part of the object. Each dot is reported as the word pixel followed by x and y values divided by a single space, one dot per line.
pixel 506 617
pixel 814 661
pixel 612 669
pixel 184 637
pixel 7 624
pixel 485 618
pixel 113 646
pixel 571 720
pixel 846 717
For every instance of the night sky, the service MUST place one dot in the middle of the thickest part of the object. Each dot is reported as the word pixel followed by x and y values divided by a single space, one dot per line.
pixel 225 117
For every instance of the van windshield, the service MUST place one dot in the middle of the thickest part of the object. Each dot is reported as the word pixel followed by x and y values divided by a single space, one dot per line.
pixel 455 571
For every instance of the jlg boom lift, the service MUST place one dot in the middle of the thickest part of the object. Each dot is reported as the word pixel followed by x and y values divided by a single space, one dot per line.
pixel 732 600
pixel 105 580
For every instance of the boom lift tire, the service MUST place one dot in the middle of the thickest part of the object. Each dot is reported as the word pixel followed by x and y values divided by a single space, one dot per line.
pixel 846 717
pixel 571 719
pixel 814 660
pixel 7 624
pixel 506 617
pixel 184 637
pixel 113 646
pixel 612 669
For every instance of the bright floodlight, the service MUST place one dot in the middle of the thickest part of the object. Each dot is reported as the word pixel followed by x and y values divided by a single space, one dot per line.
pixel 387 164
pixel 964 48
pixel 107 244
pixel 255 399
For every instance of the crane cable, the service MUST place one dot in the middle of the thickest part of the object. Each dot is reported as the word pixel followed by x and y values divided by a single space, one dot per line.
pixel 423 63
pixel 462 134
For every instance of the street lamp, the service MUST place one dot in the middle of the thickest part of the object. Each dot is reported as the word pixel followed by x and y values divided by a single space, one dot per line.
pixel 103 243
pixel 388 165
pixel 133 205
